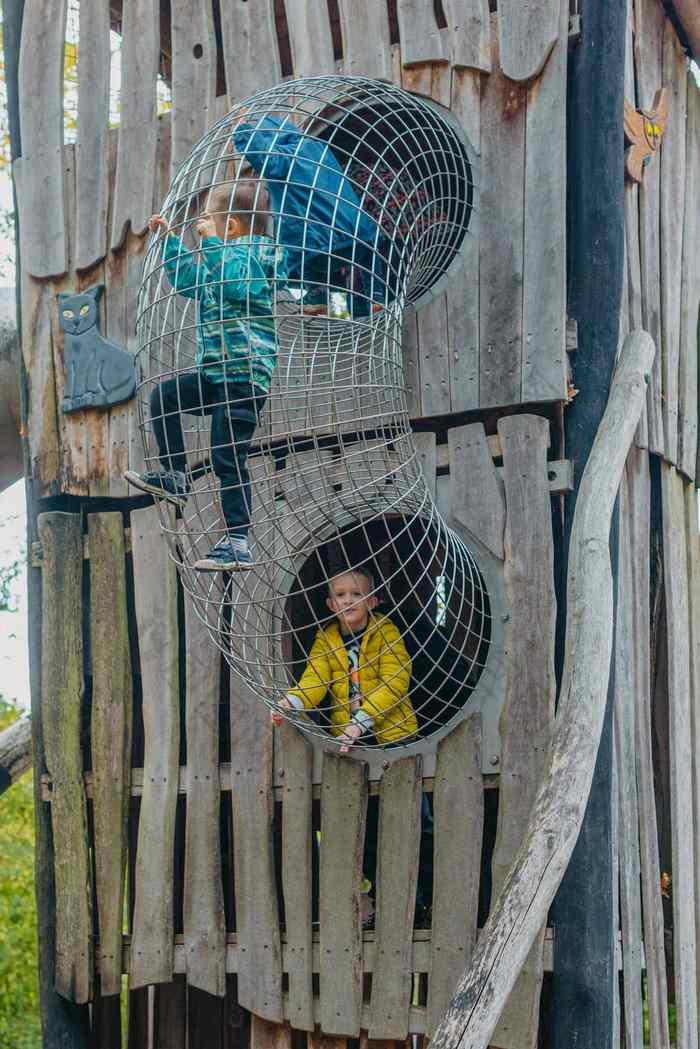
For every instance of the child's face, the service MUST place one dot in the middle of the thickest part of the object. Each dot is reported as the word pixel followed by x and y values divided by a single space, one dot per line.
pixel 350 600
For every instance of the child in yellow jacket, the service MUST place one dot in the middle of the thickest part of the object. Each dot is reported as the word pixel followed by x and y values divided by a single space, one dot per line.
pixel 361 660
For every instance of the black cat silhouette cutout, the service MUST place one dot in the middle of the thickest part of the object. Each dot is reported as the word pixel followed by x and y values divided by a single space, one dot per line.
pixel 98 372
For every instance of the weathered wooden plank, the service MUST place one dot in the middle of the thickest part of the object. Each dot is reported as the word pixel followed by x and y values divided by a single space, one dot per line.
pixel 155 594
pixel 690 294
pixel 194 74
pixel 170 1014
pixel 476 494
pixel 649 21
pixel 138 1031
pixel 681 754
pixel 411 362
pixel 42 224
pixel 366 42
pixel 136 156
pixel 260 983
pixel 38 304
pixel 672 174
pixel 627 802
pixel 110 739
pixel 530 681
pixel 503 111
pixel 544 270
pixel 105 1022
pixel 638 483
pixel 320 1041
pixel 468 33
pixel 203 909
pixel 61 700
pixel 295 758
pixel 135 249
pixel 400 796
pixel 115 306
pixel 527 34
pixel 434 357
pixel 421 40
pixel 310 38
pixel 427 454
pixel 205 1020
pixel 343 814
pixel 693 541
pixel 251 52
pixel 266 1035
pixel 458 811
pixel 92 148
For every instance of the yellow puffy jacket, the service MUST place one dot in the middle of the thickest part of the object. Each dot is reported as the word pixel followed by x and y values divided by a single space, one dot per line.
pixel 385 678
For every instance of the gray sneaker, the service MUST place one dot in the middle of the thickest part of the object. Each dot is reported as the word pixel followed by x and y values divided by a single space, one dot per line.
pixel 170 484
pixel 227 556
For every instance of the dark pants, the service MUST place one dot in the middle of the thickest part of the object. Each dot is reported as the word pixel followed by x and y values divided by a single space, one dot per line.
pixel 234 411
pixel 356 270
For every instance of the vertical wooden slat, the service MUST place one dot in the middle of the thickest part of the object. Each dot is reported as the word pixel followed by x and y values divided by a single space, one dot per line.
pixel 458 811
pixel 194 74
pixel 426 450
pixel 170 1014
pixel 672 172
pixel 136 155
pixel 544 269
pixel 366 43
pixel 295 759
pixel 257 928
pixel 434 358
pixel 400 796
pixel 528 32
pixel 38 303
pixel 105 1023
pixel 627 803
pixel 266 1035
pixel 42 208
pixel 343 814
pixel 680 736
pixel 638 482
pixel 632 257
pixel 421 40
pixel 205 1020
pixel 693 536
pixel 61 701
pixel 204 927
pixel 469 33
pixel 251 52
pixel 411 362
pixel 310 38
pixel 503 111
pixel 92 149
pixel 115 297
pixel 155 591
pixel 690 293
pixel 110 735
pixel 530 681
pixel 476 492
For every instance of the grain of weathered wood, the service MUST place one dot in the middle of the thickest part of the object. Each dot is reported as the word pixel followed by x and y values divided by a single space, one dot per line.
pixel 650 19
pixel 458 811
pixel 690 294
pixel 399 835
pixel 421 40
pixel 681 754
pixel 411 362
pixel 528 32
pixel 295 757
pixel 194 74
pixel 260 983
pixel 638 483
pixel 555 819
pixel 434 357
pixel 205 1020
pixel 468 33
pixel 92 147
pixel 105 1022
pixel 136 157
pixel 320 1041
pixel 310 38
pixel 61 701
pixel 672 173
pixel 366 43
pixel 155 596
pixel 343 814
pixel 15 752
pixel 544 269
pixel 266 1035
pixel 38 303
pixel 115 302
pixel 530 681
pixel 204 927
pixel 427 456
pixel 42 208
pixel 138 1032
pixel 170 1014
pixel 110 739
pixel 627 801
pixel 503 112
pixel 693 545
pixel 251 53
pixel 476 493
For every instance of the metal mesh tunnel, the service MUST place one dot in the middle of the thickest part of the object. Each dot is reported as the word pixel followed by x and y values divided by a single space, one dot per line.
pixel 272 382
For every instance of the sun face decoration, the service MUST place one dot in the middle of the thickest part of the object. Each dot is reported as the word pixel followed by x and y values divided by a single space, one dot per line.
pixel 643 132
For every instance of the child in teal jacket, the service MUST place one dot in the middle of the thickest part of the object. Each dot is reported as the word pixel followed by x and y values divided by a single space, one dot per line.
pixel 232 278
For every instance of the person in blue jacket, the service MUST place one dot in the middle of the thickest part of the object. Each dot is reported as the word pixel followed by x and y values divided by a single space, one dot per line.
pixel 320 221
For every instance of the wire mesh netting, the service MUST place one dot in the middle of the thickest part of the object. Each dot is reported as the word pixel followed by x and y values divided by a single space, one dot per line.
pixel 274 409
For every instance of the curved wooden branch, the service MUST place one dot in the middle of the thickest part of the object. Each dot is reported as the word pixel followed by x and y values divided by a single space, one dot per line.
pixel 15 752
pixel 555 821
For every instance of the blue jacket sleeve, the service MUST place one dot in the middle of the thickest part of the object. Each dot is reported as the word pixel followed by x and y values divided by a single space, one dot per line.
pixel 242 278
pixel 269 146
pixel 180 267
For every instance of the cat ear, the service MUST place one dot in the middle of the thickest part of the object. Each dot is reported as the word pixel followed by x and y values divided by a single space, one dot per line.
pixel 95 291
pixel 63 295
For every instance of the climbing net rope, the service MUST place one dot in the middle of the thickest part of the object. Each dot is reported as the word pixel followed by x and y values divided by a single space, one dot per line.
pixel 293 240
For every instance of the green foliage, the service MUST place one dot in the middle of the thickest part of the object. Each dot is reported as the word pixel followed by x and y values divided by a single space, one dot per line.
pixel 19 1010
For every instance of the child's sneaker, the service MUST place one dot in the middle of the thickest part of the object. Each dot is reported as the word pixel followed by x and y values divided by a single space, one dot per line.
pixel 231 554
pixel 171 485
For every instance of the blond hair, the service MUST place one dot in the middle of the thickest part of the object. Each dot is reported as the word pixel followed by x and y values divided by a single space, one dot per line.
pixel 247 199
